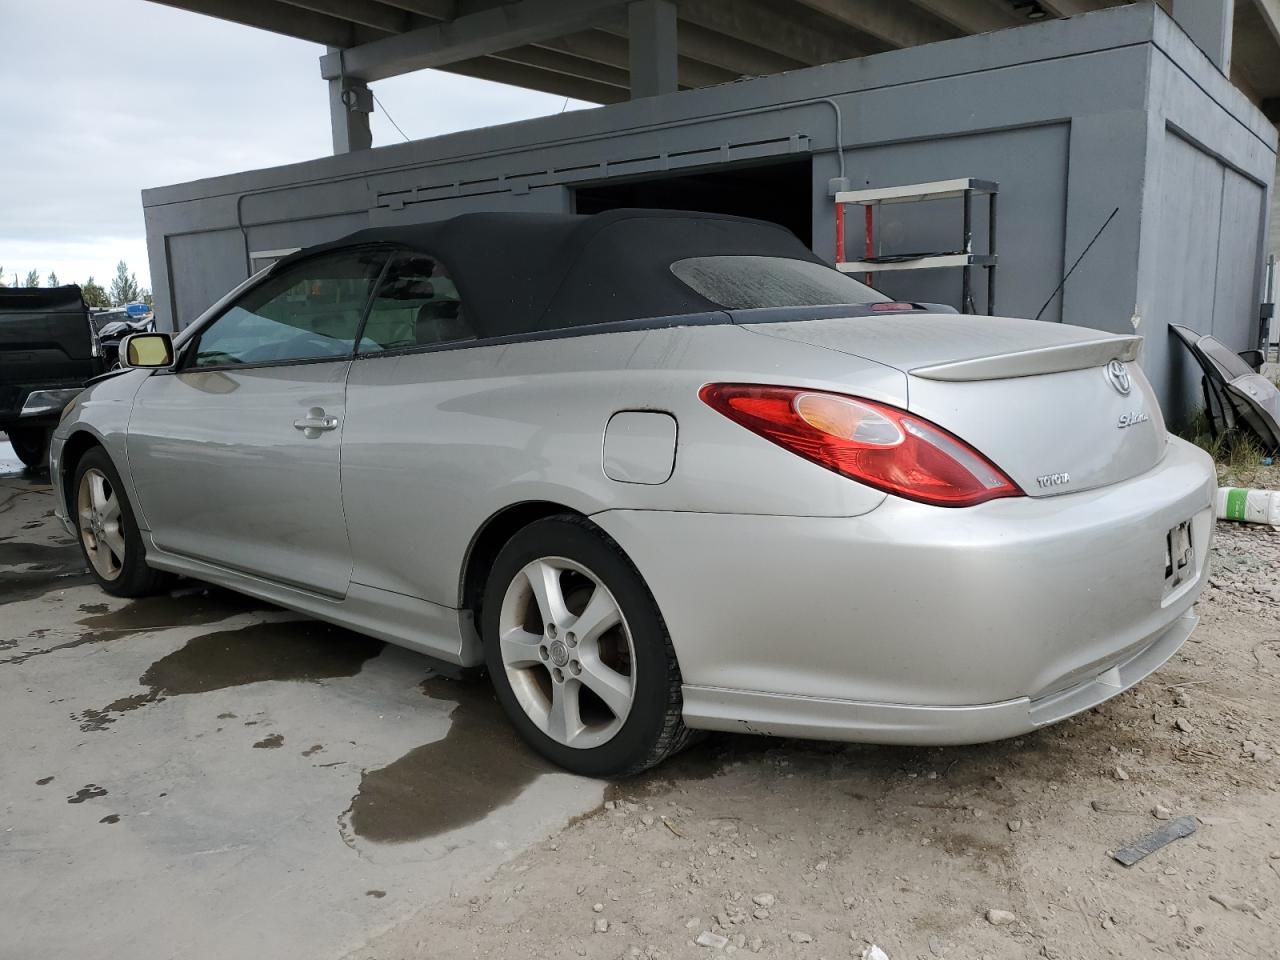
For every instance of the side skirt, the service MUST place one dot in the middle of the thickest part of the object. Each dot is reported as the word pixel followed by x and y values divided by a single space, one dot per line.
pixel 441 633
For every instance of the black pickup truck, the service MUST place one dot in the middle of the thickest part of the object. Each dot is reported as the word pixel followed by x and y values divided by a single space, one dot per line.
pixel 48 349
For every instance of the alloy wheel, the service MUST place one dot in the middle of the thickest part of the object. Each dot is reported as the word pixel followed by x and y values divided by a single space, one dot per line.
pixel 567 651
pixel 101 523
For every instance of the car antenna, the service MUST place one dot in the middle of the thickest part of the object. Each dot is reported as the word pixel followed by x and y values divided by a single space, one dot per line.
pixel 1062 282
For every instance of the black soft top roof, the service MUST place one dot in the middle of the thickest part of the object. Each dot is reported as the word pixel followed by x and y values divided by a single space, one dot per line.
pixel 527 272
pixel 41 299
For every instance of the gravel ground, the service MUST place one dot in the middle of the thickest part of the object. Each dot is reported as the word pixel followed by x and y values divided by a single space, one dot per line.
pixel 812 850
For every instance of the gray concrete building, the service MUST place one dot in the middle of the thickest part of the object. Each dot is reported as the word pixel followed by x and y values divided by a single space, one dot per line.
pixel 1132 143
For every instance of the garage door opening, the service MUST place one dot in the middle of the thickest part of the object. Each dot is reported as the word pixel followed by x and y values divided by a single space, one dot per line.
pixel 778 192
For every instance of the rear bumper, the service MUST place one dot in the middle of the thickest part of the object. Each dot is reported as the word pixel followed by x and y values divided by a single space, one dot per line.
pixel 923 624
pixel 750 711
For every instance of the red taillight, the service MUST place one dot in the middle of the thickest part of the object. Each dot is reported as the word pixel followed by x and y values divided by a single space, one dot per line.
pixel 873 443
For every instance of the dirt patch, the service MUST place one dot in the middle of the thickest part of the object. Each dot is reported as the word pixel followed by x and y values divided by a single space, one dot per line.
pixel 478 766
pixel 300 650
pixel 270 742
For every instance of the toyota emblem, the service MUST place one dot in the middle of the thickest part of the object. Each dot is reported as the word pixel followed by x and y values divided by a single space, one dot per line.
pixel 1118 374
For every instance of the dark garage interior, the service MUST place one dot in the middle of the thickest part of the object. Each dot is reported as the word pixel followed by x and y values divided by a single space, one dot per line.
pixel 778 192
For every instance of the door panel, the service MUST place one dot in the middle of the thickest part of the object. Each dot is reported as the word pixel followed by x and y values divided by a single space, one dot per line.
pixel 224 475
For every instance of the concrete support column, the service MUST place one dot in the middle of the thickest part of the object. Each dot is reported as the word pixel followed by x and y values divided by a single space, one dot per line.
pixel 350 104
pixel 1208 23
pixel 651 32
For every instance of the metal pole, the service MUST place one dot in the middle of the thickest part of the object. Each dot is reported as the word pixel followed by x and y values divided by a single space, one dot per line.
pixel 991 249
pixel 966 286
pixel 1268 310
pixel 870 249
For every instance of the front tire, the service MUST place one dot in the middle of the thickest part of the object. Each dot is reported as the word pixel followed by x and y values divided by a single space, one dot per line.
pixel 108 533
pixel 31 444
pixel 580 658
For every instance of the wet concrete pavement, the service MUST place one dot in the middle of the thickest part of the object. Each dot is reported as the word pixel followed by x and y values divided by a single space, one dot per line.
pixel 197 775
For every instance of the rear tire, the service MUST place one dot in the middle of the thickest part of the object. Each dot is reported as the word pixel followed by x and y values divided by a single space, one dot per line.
pixel 579 655
pixel 108 533
pixel 31 444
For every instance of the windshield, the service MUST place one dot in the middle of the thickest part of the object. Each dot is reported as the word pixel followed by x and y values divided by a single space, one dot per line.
pixel 748 282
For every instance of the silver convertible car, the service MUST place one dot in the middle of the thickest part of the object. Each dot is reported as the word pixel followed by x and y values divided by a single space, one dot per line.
pixel 656 473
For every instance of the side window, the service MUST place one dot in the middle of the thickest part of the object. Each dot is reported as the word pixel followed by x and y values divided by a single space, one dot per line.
pixel 309 312
pixel 416 305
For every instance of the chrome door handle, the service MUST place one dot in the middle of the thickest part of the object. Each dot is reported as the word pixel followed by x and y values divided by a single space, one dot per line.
pixel 315 423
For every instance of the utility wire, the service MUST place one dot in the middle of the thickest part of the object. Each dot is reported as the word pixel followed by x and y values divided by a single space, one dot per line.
pixel 389 117
pixel 1063 282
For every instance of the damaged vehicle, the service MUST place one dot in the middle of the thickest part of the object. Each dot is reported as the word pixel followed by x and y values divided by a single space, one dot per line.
pixel 1236 395
pixel 657 472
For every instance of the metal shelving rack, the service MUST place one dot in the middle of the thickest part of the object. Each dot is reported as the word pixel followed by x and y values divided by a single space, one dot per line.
pixel 966 189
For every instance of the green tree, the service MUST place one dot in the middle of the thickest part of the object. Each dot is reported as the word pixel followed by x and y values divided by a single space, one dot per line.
pixel 94 295
pixel 33 279
pixel 53 279
pixel 1 276
pixel 148 299
pixel 124 288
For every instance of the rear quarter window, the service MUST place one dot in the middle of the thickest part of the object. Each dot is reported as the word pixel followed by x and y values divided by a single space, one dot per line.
pixel 750 282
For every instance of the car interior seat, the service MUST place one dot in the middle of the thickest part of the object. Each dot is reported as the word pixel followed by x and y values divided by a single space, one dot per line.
pixel 440 321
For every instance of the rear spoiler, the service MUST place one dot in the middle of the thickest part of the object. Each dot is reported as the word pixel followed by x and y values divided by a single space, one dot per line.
pixel 1058 358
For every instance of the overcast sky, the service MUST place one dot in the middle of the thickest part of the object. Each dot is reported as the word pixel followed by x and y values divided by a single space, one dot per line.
pixel 105 97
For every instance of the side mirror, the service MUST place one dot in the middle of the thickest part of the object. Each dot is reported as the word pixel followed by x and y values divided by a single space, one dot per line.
pixel 146 351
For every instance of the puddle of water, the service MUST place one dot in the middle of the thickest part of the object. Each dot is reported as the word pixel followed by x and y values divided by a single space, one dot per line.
pixel 47 566
pixel 165 610
pixel 44 557
pixel 303 650
pixel 149 613
pixel 478 766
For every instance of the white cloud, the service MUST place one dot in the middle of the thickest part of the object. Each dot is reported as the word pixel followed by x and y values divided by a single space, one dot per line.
pixel 107 97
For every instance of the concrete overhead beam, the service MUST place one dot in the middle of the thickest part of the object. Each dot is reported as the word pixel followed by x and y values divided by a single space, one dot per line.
pixel 737 57
pixel 364 12
pixel 523 75
pixel 612 50
pixel 567 65
pixel 435 9
pixel 473 35
pixel 897 24
pixel 754 21
pixel 1071 8
pixel 277 18
pixel 973 16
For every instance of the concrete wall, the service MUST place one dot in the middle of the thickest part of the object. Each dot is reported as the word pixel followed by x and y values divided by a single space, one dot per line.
pixel 1075 118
